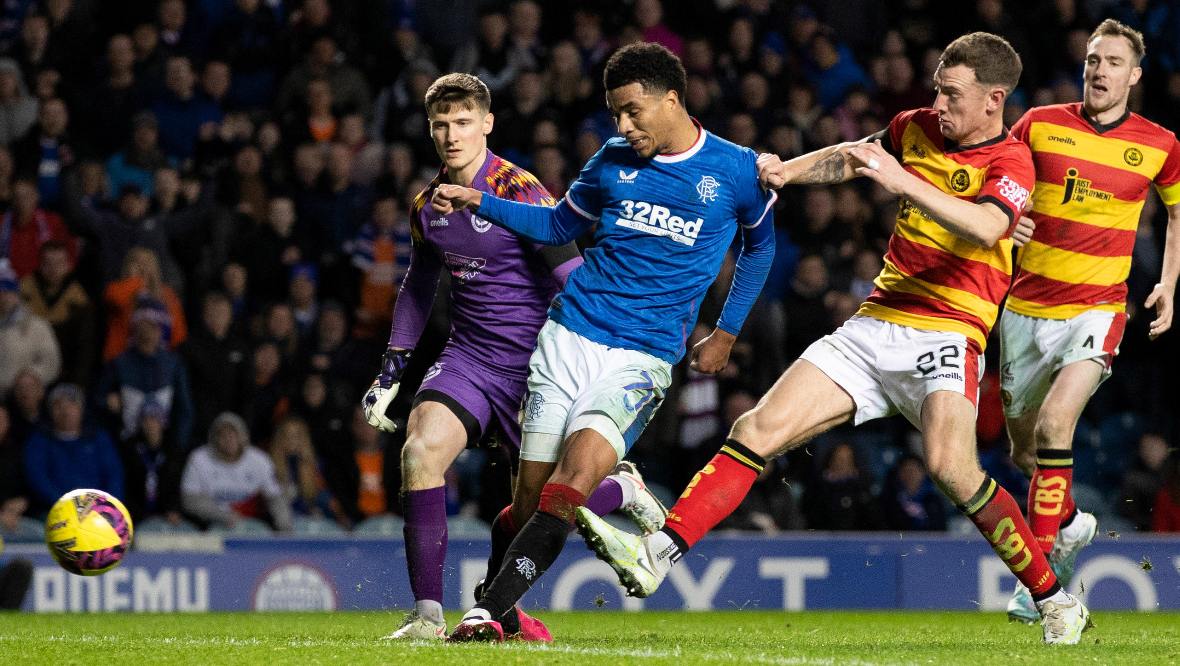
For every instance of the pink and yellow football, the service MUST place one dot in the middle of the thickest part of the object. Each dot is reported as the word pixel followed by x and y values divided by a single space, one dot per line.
pixel 88 532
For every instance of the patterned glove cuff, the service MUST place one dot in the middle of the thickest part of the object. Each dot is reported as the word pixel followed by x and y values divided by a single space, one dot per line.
pixel 394 362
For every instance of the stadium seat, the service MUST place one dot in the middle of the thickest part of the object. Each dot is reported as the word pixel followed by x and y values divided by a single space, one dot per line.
pixel 308 526
pixel 380 526
pixel 250 527
pixel 28 530
pixel 157 525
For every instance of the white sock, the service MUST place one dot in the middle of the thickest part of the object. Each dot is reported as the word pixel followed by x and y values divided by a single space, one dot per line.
pixel 429 609
pixel 627 485
pixel 477 614
pixel 1059 598
pixel 1075 530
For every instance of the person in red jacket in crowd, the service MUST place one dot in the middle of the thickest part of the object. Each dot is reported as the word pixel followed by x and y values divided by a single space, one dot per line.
pixel 25 228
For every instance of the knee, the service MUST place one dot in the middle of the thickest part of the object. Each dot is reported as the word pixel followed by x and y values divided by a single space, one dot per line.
pixel 413 454
pixel 754 432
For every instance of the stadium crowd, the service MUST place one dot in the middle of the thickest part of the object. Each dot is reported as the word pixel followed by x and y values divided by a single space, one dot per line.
pixel 205 222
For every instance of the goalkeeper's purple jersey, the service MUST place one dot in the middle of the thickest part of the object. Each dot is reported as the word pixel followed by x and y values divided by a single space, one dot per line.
pixel 500 286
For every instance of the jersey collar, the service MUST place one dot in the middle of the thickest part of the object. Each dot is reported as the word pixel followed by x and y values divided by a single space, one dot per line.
pixel 1099 127
pixel 684 155
pixel 950 146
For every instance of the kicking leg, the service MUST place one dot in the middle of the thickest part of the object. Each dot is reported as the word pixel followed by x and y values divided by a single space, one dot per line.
pixel 435 436
pixel 802 404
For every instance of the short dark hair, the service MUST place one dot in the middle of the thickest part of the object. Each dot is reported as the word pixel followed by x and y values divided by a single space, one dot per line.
pixel 53 246
pixel 994 60
pixel 464 90
pixel 654 67
pixel 1112 28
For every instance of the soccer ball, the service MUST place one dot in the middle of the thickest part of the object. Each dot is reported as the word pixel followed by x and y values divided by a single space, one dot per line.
pixel 88 532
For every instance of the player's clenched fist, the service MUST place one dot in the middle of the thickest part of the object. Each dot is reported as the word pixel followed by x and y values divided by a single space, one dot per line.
pixel 711 355
pixel 384 389
pixel 771 173
pixel 450 198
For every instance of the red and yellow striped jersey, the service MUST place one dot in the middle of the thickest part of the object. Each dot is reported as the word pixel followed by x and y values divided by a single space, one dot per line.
pixel 932 279
pixel 1091 183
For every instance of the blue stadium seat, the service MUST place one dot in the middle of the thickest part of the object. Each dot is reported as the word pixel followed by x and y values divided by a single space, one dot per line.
pixel 459 527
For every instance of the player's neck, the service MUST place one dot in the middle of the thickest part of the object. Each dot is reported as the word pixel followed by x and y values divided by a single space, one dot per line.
pixel 466 175
pixel 1107 117
pixel 684 136
pixel 991 129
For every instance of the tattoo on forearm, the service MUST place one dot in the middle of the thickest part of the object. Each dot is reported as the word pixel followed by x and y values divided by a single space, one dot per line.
pixel 828 169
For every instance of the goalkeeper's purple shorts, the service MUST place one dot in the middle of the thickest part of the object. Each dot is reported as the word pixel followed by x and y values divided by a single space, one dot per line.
pixel 486 401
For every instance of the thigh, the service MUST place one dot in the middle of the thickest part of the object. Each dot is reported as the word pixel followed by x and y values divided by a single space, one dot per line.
pixel 1071 390
pixel 554 379
pixel 626 389
pixel 462 386
pixel 435 436
pixel 849 358
pixel 1092 336
pixel 803 403
pixel 1026 361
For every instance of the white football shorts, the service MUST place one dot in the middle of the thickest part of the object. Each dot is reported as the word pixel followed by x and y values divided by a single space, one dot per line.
pixel 889 368
pixel 575 384
pixel 1034 349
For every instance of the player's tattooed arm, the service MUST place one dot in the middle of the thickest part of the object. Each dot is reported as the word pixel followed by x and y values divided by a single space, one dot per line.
pixel 834 164
pixel 830 168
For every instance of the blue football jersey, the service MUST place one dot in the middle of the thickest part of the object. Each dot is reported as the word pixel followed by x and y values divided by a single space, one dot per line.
pixel 664 226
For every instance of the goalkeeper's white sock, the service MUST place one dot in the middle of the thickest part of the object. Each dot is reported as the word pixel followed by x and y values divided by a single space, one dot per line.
pixel 477 614
pixel 626 485
pixel 1074 530
pixel 663 550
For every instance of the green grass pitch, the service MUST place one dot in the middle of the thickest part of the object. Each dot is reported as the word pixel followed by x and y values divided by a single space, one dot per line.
pixel 584 639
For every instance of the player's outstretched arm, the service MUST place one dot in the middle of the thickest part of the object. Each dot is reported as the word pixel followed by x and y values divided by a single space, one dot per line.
pixel 981 223
pixel 833 164
pixel 547 225
pixel 1162 296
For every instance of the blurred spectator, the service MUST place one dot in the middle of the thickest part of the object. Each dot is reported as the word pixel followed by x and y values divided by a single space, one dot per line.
pixel 350 92
pixel 246 39
pixel 14 499
pixel 565 80
pixel 66 456
pixel 832 70
pixel 183 116
pixel 524 25
pixel 266 397
pixel 1166 516
pixel 649 16
pixel 330 351
pixel 25 407
pixel 228 479
pixel 133 223
pixel 27 227
pixel 47 151
pixel 699 400
pixel 141 283
pixel 490 55
pixel 298 473
pixel 18 108
pixel 368 484
pixel 175 36
pixel 217 360
pixel 839 497
pixel 147 370
pixel 215 82
pixel 302 298
pixel 27 340
pixel 381 251
pixel 137 163
pixel 116 95
pixel 368 157
pixel 55 294
pixel 807 315
pixel 153 464
pixel 319 124
pixel 1144 479
pixel 910 501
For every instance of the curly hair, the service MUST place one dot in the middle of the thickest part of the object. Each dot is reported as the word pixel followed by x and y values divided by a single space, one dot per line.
pixel 654 67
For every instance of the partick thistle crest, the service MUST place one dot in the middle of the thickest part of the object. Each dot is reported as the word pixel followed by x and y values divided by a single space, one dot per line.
pixel 707 188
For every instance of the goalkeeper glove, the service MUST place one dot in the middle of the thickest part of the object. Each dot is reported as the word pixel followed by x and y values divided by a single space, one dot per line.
pixel 384 389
